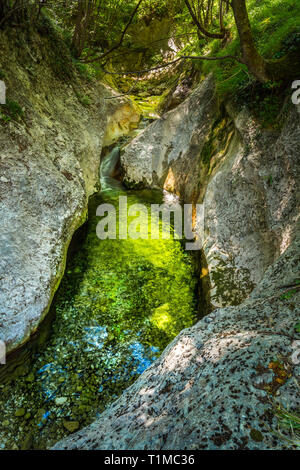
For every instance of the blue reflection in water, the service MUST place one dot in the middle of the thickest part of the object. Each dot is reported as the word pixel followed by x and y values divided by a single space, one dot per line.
pixel 140 359
pixel 44 419
pixel 95 336
pixel 49 388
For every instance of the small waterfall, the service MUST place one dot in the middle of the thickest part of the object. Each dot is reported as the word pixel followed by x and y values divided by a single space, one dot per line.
pixel 107 167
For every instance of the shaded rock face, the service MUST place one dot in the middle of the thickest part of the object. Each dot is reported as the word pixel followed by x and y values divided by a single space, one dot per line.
pixel 245 176
pixel 216 384
pixel 180 134
pixel 122 118
pixel 49 165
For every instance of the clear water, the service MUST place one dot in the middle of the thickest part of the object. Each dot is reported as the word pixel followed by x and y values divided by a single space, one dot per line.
pixel 119 304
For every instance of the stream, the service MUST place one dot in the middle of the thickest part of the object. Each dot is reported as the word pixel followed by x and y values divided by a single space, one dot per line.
pixel 119 304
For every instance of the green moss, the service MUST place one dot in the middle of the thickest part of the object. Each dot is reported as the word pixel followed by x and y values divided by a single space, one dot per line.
pixel 256 435
pixel 119 304
pixel 148 106
pixel 232 284
pixel 207 151
pixel 12 111
pixel 216 142
pixel 57 53
pixel 83 99
pixel 4 118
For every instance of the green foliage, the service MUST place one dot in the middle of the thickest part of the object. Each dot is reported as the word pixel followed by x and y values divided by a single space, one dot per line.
pixel 288 425
pixel 265 100
pixel 267 109
pixel 58 52
pixel 83 99
pixel 269 180
pixel 4 118
pixel 2 74
pixel 85 70
pixel 275 25
pixel 159 9
pixel 12 111
pixel 288 295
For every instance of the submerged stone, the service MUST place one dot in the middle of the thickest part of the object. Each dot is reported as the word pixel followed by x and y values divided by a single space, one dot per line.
pixel 61 400
pixel 20 412
pixel 71 426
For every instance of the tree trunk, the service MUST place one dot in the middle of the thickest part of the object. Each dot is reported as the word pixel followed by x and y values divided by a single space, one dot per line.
pixel 84 14
pixel 200 27
pixel 250 56
pixel 3 9
pixel 287 67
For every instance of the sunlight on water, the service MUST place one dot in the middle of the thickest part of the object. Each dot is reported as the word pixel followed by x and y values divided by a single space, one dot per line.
pixel 119 304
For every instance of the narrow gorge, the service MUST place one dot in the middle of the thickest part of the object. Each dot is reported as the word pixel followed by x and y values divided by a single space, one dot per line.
pixel 113 338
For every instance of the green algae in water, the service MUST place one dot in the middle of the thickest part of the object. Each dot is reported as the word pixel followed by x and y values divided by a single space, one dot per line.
pixel 119 304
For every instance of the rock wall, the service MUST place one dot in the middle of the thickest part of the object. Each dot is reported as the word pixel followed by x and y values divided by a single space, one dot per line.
pixel 246 176
pixel 217 384
pixel 122 118
pixel 49 161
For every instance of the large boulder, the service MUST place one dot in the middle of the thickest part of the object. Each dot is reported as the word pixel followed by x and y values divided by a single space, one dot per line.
pixel 179 134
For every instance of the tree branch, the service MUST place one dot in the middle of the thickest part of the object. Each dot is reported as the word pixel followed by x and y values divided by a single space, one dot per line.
pixel 133 51
pixel 116 46
pixel 184 57
pixel 200 27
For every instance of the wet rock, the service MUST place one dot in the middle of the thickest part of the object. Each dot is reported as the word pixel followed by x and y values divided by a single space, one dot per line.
pixel 263 379
pixel 49 167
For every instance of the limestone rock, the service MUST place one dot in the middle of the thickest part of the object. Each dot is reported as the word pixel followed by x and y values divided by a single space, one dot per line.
pixel 178 134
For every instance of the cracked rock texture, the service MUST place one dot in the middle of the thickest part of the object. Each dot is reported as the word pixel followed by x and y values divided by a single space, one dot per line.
pixel 49 165
pixel 246 176
pixel 214 386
